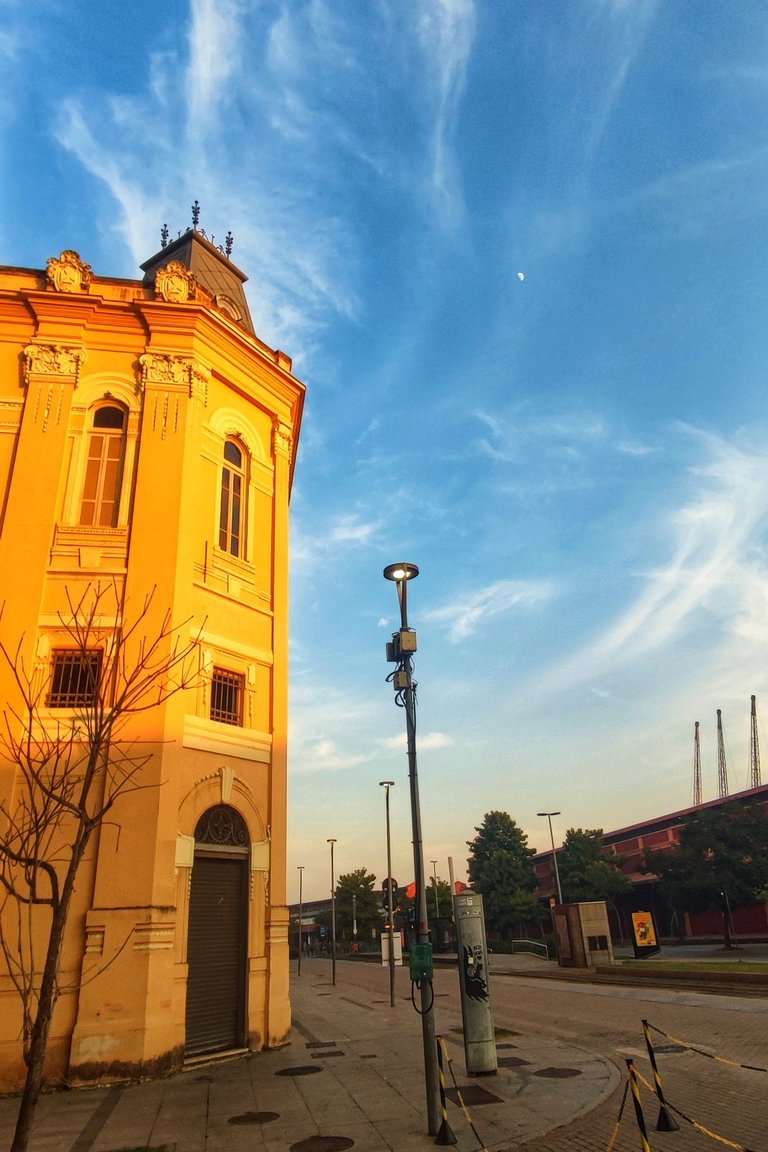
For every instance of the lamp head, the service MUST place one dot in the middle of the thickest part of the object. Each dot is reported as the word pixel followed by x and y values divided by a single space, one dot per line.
pixel 386 783
pixel 549 813
pixel 331 840
pixel 400 572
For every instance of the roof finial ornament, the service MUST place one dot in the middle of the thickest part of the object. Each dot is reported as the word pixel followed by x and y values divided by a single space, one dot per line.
pixel 228 247
pixel 195 214
pixel 164 234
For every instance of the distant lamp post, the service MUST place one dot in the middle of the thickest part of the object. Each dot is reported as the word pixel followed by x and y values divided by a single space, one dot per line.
pixel 549 816
pixel 399 652
pixel 301 915
pixel 354 922
pixel 730 931
pixel 386 785
pixel 434 879
pixel 332 841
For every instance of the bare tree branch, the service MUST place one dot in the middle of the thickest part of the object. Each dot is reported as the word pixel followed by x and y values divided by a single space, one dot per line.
pixel 71 766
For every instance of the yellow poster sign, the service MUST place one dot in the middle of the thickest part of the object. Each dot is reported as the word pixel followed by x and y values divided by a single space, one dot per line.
pixel 644 930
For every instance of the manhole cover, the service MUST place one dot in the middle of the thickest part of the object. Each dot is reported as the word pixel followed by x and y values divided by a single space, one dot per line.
pixel 506 1032
pixel 326 1055
pixel 301 1070
pixel 557 1073
pixel 512 1062
pixel 472 1094
pixel 254 1118
pixel 368 1056
pixel 323 1144
pixel 321 1044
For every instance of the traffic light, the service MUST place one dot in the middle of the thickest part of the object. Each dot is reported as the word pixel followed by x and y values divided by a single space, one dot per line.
pixel 389 885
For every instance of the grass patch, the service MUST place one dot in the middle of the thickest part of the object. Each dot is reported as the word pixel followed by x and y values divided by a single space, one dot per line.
pixel 695 966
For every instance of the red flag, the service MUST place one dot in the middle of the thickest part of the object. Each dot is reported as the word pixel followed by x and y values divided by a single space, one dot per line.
pixel 411 891
pixel 459 887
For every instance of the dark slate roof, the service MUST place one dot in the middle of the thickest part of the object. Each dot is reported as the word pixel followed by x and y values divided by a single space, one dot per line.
pixel 211 268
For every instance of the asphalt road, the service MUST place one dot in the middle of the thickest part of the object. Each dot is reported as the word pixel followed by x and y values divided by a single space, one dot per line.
pixel 719 1094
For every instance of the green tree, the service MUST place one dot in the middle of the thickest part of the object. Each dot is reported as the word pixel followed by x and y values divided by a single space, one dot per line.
pixel 719 863
pixel 444 902
pixel 501 870
pixel 366 909
pixel 589 871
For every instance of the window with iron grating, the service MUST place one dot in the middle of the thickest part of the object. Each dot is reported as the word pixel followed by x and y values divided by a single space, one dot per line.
pixel 75 677
pixel 227 691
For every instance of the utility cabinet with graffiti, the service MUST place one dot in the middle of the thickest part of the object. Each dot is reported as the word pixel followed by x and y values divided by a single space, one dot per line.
pixel 477 1016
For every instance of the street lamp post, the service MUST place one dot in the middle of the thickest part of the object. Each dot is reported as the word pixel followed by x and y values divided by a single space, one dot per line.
pixel 332 841
pixel 549 816
pixel 386 785
pixel 434 880
pixel 301 914
pixel 399 652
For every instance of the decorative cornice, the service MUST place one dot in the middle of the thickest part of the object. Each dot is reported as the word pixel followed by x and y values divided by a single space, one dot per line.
pixel 174 283
pixel 282 441
pixel 53 360
pixel 68 273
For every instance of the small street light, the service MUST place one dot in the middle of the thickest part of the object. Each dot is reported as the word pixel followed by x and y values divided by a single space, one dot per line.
pixel 549 816
pixel 301 914
pixel 386 785
pixel 434 878
pixel 399 652
pixel 332 841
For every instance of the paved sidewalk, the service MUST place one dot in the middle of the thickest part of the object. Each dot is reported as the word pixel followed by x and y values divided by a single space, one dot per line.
pixel 353 1072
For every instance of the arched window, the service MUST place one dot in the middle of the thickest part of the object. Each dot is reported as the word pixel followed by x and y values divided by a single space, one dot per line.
pixel 104 469
pixel 222 826
pixel 232 507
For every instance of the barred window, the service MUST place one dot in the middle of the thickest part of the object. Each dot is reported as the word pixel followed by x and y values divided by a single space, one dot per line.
pixel 227 691
pixel 75 677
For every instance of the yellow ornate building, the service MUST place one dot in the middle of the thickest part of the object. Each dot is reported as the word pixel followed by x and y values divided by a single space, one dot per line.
pixel 147 442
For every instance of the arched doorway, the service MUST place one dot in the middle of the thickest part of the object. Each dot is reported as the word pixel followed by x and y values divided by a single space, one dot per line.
pixel 217 937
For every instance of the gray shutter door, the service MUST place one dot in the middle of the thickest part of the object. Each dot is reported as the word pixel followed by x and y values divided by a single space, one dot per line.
pixel 216 952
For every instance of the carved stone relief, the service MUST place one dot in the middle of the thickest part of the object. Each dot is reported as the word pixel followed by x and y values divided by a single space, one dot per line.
pixel 53 360
pixel 68 273
pixel 174 283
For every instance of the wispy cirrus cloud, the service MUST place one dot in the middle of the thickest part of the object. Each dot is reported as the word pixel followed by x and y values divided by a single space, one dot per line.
pixel 471 612
pixel 717 573
pixel 342 532
pixel 446 30
pixel 172 143
pixel 626 24
pixel 326 728
pixel 215 42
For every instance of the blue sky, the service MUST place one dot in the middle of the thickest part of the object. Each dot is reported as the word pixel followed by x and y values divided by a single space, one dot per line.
pixel 517 249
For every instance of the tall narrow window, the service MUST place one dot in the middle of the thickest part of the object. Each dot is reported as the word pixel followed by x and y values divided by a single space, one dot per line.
pixel 104 470
pixel 74 677
pixel 232 507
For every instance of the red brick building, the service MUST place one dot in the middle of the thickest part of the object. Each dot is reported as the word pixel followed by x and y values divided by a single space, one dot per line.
pixel 658 834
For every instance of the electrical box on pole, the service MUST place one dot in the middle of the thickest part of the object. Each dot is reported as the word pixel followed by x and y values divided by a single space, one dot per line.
pixel 479 1038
